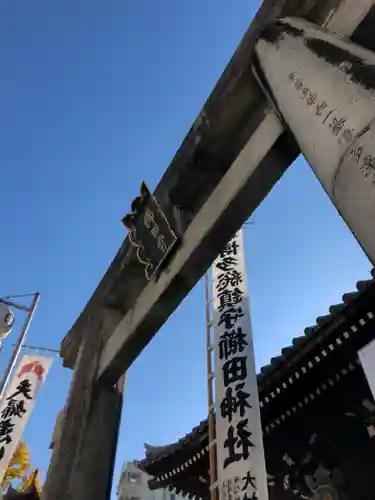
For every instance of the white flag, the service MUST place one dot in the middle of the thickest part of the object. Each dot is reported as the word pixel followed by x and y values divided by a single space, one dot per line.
pixel 18 403
pixel 240 456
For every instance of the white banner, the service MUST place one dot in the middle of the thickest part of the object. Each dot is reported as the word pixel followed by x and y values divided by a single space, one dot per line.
pixel 240 455
pixel 18 403
pixel 367 358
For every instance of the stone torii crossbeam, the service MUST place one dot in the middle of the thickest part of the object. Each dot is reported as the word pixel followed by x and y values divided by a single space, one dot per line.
pixel 239 147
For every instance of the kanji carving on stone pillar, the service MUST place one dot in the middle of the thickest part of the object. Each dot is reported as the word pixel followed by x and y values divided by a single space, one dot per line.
pixel 324 89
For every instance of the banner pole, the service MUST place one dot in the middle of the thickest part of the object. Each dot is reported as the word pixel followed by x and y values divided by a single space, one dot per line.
pixel 17 350
pixel 211 419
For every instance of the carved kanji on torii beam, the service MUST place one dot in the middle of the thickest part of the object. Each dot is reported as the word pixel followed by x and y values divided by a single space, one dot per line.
pixel 224 169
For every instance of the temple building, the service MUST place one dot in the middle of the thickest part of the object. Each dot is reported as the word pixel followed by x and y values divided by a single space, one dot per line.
pixel 317 411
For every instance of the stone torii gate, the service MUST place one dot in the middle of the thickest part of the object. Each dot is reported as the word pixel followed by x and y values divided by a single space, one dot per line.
pixel 253 126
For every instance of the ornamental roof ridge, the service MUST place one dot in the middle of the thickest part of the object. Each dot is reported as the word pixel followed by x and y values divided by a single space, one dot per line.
pixel 297 342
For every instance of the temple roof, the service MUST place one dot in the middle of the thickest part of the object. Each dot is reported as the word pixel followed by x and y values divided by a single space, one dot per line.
pixel 311 332
pixel 338 315
pixel 159 452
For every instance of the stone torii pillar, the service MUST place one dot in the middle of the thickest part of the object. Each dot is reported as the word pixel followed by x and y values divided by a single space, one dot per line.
pixel 324 90
pixel 85 442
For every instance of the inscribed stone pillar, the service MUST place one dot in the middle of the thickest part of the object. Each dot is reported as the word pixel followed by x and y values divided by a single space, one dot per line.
pixel 324 89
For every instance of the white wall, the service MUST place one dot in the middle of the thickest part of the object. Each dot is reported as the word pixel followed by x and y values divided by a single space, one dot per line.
pixel 367 358
pixel 133 485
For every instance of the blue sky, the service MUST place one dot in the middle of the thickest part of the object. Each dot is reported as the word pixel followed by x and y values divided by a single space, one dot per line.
pixel 96 96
